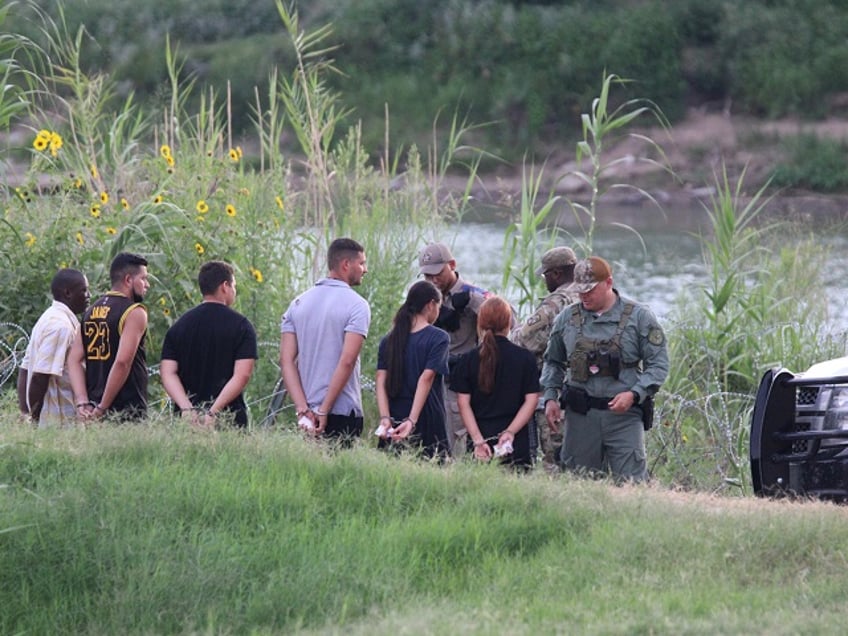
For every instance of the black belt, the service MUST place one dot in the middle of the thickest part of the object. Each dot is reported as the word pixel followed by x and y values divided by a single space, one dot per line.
pixel 580 401
pixel 600 403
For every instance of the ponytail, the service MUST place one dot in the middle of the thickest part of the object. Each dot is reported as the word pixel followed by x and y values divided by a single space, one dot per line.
pixel 417 298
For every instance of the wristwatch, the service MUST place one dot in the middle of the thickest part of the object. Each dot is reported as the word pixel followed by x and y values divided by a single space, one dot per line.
pixel 636 397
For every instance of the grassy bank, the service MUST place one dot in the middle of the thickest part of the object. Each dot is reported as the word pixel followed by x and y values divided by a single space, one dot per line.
pixel 158 530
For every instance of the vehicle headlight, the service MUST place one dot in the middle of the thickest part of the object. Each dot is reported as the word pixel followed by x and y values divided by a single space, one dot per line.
pixel 836 416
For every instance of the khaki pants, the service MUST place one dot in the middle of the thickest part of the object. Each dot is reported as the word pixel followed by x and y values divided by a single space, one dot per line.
pixel 455 429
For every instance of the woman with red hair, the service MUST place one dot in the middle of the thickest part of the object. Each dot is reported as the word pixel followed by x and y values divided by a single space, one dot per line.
pixel 497 386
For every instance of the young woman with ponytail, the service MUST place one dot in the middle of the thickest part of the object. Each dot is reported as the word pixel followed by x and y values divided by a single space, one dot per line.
pixel 497 386
pixel 412 361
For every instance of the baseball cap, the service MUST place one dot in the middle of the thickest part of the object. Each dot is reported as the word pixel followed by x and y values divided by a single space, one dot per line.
pixel 432 259
pixel 556 258
pixel 588 273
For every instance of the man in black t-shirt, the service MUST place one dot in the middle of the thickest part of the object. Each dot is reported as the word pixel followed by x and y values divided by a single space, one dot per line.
pixel 208 355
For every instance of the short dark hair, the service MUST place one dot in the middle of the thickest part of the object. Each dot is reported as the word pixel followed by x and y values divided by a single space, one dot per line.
pixel 65 279
pixel 123 264
pixel 212 274
pixel 340 249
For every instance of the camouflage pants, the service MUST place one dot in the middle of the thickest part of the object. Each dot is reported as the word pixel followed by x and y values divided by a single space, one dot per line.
pixel 550 443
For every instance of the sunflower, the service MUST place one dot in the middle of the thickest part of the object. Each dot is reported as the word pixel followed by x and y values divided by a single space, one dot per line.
pixel 201 207
pixel 231 210
pixel 94 210
pixel 256 274
pixel 157 199
pixel 104 197
pixel 199 248
pixel 55 143
pixel 30 239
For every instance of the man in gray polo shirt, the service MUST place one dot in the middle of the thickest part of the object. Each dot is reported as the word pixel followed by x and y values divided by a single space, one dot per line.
pixel 323 331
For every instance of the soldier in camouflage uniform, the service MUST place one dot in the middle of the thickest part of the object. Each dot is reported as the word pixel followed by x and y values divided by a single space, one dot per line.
pixel 615 354
pixel 558 270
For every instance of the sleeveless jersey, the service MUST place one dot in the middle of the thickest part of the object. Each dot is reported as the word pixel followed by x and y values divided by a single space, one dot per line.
pixel 101 333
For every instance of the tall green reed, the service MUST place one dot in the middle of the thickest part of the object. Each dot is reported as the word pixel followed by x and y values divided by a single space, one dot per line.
pixel 600 126
pixel 763 305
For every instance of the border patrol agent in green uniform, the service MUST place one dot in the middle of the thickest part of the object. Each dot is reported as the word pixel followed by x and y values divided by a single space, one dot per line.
pixel 616 358
pixel 558 270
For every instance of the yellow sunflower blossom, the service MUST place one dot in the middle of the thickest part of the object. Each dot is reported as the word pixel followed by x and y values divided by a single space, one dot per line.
pixel 94 173
pixel 30 239
pixel 104 197
pixel 170 161
pixel 125 204
pixel 162 301
pixel 111 230
pixel 234 155
pixel 55 143
pixel 201 207
pixel 157 199
pixel 244 192
pixel 199 248
pixel 40 143
pixel 200 219
pixel 165 151
pixel 95 210
pixel 256 274
pixel 78 184
pixel 279 201
pixel 79 238
pixel 231 210
pixel 166 312
pixel 44 134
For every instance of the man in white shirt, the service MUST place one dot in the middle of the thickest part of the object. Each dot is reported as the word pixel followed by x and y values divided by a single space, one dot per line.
pixel 44 388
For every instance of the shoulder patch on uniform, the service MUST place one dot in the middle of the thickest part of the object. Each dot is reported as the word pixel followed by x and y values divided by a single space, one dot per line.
pixel 656 336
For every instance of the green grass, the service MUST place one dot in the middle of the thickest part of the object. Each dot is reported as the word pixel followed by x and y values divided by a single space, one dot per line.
pixel 155 530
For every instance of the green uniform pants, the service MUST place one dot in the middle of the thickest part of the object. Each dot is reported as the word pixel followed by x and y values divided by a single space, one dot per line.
pixel 605 442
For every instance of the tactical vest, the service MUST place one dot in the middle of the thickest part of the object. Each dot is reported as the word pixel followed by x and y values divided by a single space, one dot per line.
pixel 598 358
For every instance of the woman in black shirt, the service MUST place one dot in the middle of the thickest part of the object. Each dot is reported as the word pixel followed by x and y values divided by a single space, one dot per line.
pixel 498 389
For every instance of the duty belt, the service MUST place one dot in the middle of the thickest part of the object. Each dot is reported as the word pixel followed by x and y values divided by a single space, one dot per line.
pixel 579 401
pixel 600 403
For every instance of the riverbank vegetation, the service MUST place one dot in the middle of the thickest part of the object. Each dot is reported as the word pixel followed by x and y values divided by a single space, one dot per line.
pixel 527 67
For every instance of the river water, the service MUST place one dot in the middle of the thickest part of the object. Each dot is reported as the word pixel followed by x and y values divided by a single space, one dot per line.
pixel 670 263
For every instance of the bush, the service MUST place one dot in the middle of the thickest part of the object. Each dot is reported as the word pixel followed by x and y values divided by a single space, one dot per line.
pixel 813 163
